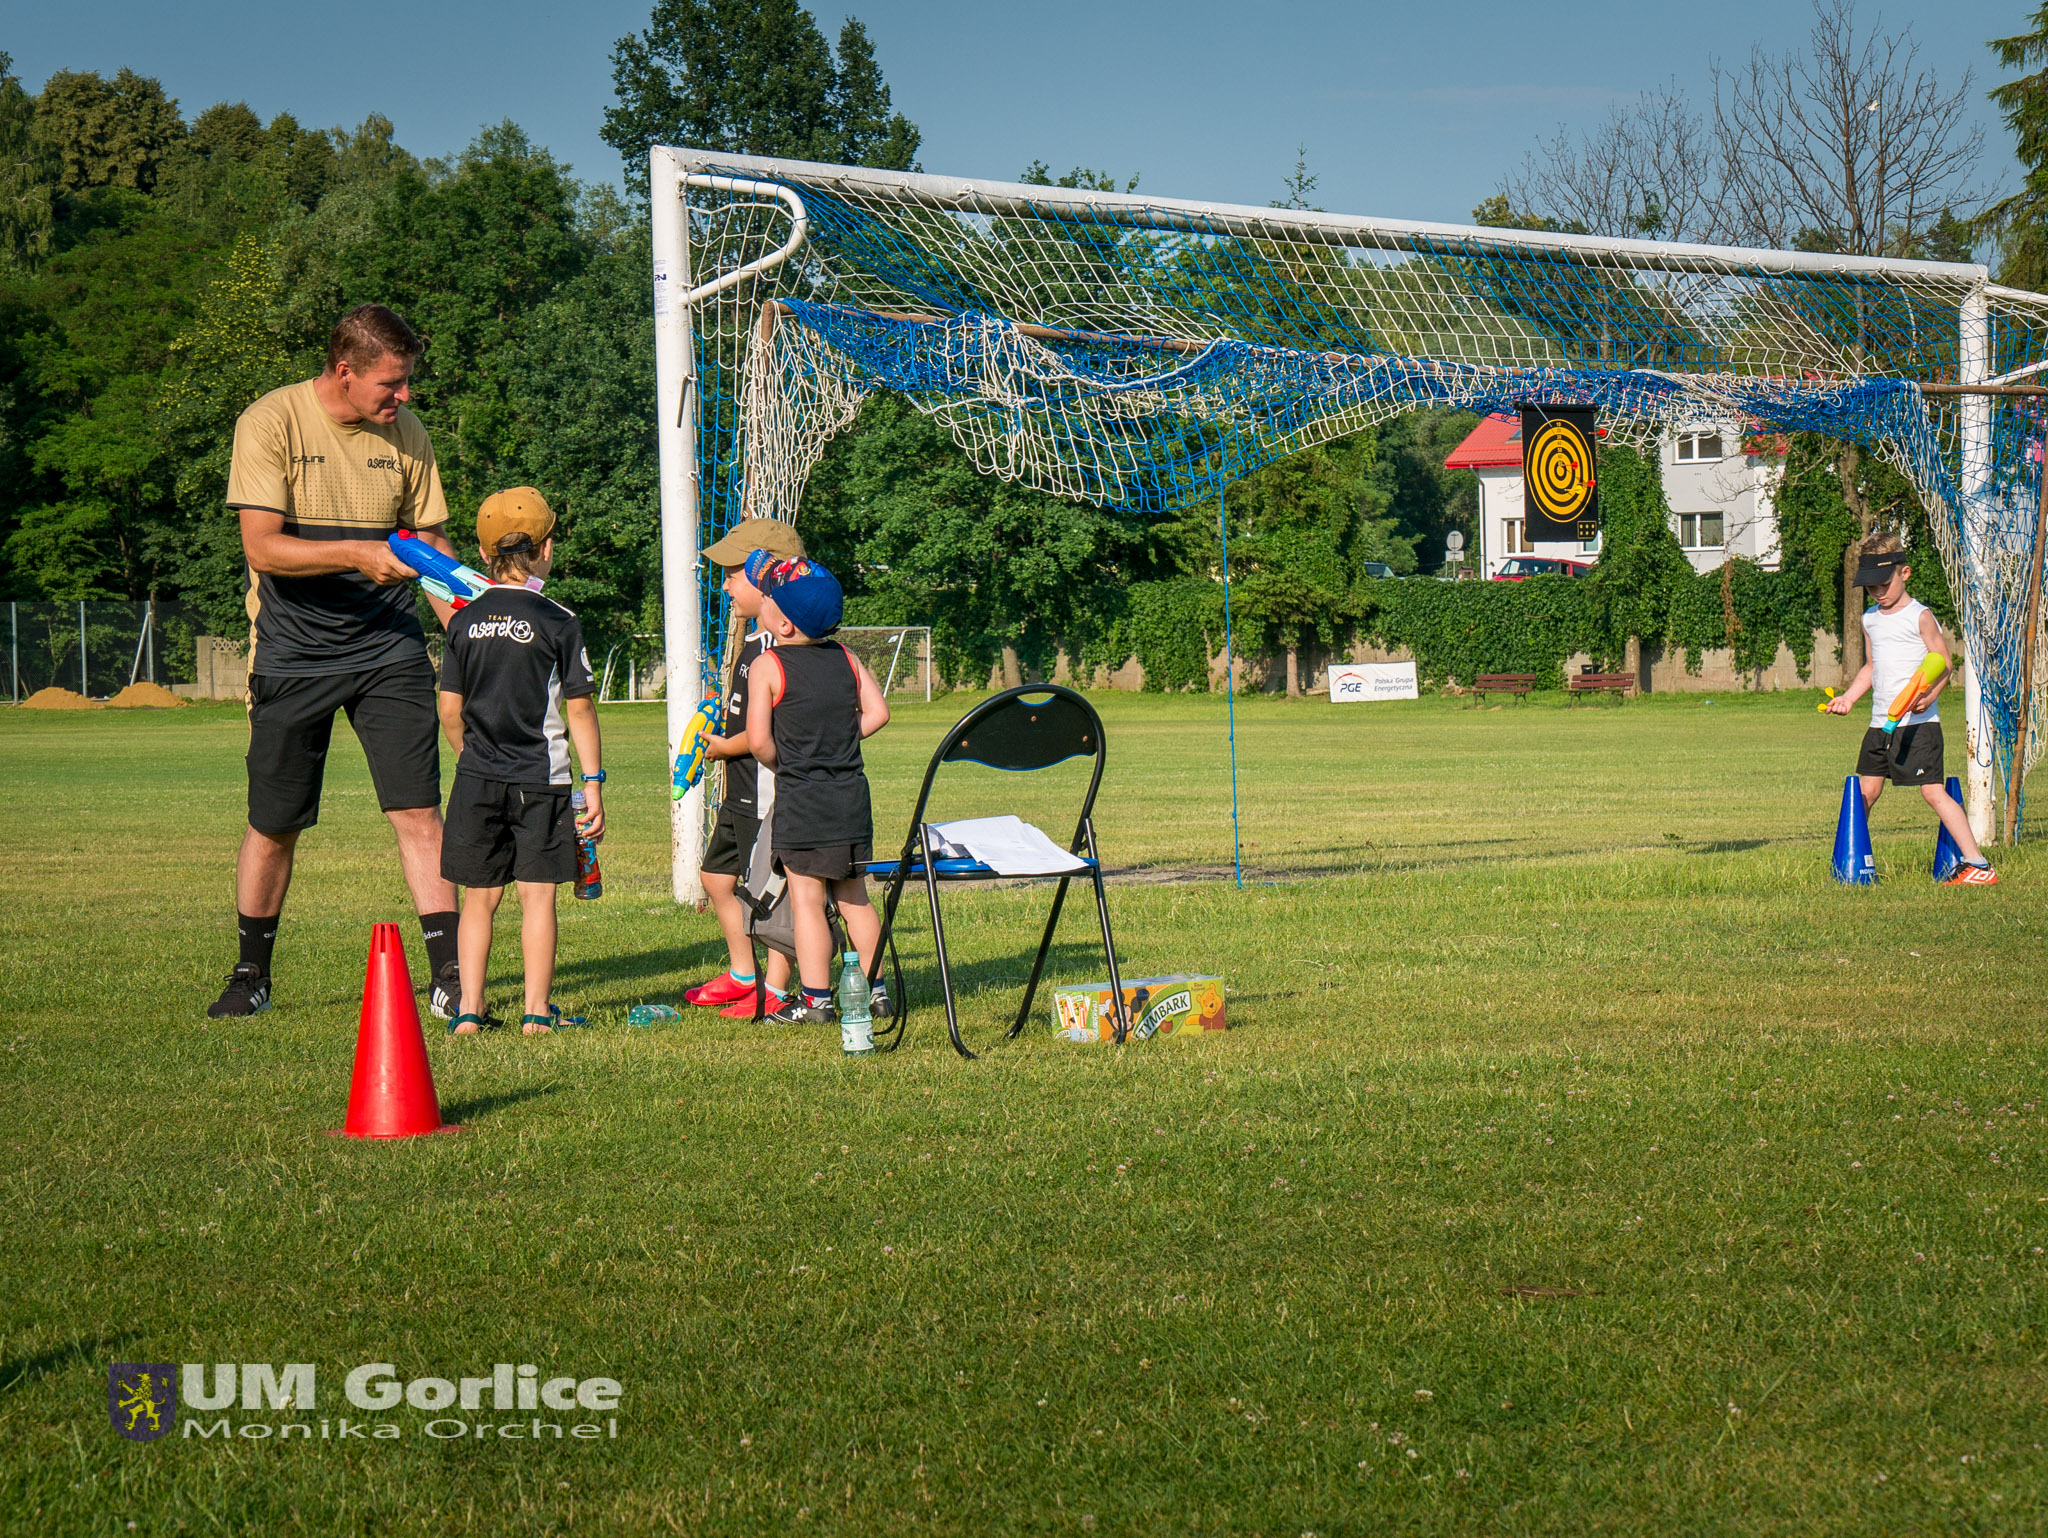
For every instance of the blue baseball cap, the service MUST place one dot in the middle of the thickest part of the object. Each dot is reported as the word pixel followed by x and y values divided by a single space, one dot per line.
pixel 809 596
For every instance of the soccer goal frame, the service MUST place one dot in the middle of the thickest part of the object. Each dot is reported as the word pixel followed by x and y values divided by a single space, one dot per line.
pixel 900 656
pixel 784 291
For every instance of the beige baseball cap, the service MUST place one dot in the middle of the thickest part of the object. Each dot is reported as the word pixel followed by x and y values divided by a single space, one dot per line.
pixel 519 510
pixel 751 534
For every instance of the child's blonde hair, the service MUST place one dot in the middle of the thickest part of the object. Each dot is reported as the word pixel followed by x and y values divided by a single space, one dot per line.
pixel 513 560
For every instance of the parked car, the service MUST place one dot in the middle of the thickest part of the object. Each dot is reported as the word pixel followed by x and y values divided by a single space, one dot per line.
pixel 1517 567
pixel 1376 568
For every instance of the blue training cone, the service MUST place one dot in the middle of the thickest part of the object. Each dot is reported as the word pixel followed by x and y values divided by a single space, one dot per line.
pixel 1946 855
pixel 1853 863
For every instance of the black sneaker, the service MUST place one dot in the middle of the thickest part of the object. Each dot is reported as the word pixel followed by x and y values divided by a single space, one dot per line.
pixel 879 1006
pixel 247 993
pixel 797 1012
pixel 444 999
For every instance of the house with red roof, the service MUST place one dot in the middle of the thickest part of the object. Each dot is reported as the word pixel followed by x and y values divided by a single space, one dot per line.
pixel 1721 498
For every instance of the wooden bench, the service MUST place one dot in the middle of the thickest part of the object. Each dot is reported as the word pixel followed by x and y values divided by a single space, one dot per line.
pixel 1517 684
pixel 1601 683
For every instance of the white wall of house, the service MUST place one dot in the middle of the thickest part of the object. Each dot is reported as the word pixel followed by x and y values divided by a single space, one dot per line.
pixel 1722 503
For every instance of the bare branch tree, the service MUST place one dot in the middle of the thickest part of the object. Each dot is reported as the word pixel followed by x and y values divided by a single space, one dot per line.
pixel 1647 171
pixel 1851 147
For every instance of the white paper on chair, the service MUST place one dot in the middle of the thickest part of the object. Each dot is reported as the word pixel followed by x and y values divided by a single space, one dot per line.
pixel 1009 846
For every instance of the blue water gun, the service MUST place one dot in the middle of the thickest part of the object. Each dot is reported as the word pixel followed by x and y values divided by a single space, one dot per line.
pixel 441 575
pixel 702 725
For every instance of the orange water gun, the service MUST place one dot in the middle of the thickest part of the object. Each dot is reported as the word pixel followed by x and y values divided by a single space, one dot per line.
pixel 1908 699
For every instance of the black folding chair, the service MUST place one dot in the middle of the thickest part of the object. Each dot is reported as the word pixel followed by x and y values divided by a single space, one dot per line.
pixel 1034 727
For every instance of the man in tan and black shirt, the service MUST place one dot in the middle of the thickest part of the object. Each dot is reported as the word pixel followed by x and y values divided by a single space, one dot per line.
pixel 323 471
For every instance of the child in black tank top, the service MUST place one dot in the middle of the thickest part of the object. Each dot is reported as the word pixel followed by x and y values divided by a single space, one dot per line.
pixel 811 704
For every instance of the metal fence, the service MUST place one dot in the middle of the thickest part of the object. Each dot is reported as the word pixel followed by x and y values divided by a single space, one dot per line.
pixel 98 649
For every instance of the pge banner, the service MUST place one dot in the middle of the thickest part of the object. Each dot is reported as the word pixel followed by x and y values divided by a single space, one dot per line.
pixel 1351 681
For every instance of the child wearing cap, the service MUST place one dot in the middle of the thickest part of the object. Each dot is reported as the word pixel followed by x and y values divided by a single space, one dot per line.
pixel 515 694
pixel 1899 632
pixel 746 552
pixel 812 704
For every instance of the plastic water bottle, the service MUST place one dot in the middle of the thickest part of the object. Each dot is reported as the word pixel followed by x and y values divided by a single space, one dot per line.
pixel 589 879
pixel 652 1014
pixel 856 1025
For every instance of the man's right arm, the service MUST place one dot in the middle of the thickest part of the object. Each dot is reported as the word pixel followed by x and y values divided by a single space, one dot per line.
pixel 274 553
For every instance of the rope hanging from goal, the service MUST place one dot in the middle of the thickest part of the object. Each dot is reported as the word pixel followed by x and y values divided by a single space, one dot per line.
pixel 1230 690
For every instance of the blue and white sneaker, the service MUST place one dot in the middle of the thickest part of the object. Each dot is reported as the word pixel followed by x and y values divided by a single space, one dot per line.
pixel 247 993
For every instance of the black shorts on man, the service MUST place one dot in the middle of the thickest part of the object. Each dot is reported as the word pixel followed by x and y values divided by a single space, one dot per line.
pixel 1908 755
pixel 291 722
pixel 497 834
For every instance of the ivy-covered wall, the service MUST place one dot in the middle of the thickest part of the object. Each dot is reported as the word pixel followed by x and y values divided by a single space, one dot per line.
pixel 1643 588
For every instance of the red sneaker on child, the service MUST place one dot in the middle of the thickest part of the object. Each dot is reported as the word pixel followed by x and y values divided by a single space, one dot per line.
pixel 722 989
pixel 744 1010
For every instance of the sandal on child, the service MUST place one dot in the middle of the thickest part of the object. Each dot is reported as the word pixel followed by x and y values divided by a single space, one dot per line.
pixel 484 1022
pixel 553 1020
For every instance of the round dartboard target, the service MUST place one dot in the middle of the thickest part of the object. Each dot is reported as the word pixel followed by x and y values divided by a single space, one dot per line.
pixel 1560 471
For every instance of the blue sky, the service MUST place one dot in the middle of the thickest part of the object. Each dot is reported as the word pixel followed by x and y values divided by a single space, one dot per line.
pixel 1410 110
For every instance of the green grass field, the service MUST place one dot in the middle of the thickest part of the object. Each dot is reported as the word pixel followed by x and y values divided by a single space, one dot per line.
pixel 1581 1160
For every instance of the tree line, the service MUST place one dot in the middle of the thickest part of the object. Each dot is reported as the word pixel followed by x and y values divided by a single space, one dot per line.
pixel 158 272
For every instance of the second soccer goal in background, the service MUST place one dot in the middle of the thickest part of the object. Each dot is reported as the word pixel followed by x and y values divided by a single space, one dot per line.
pixel 900 656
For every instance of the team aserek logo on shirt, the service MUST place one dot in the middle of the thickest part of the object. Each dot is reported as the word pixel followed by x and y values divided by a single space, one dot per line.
pixel 511 629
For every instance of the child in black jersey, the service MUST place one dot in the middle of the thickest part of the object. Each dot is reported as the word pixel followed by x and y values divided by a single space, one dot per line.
pixel 811 705
pixel 515 693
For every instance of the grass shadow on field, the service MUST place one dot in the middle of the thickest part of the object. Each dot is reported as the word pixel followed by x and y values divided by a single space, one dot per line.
pixel 464 1112
pixel 638 965
pixel 17 1371
pixel 1565 1185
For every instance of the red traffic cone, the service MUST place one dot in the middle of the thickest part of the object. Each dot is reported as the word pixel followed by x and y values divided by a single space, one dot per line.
pixel 393 1091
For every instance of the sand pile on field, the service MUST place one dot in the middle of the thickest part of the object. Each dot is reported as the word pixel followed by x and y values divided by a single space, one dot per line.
pixel 58 699
pixel 144 696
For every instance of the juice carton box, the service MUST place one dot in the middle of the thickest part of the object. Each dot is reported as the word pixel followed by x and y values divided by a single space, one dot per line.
pixel 1156 1007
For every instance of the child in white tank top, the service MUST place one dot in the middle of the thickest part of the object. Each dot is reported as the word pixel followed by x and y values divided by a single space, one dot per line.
pixel 1900 631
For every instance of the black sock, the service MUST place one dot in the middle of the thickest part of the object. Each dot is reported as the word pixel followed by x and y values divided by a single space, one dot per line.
pixel 259 938
pixel 438 930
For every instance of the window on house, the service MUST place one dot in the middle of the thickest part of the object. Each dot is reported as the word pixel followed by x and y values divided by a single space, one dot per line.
pixel 1699 447
pixel 1701 531
pixel 1516 543
pixel 1590 546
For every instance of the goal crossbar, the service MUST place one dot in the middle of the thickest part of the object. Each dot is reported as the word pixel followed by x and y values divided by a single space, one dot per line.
pixel 974 195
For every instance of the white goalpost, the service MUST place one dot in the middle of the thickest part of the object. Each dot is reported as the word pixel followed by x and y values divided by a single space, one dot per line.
pixel 1142 352
pixel 677 296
